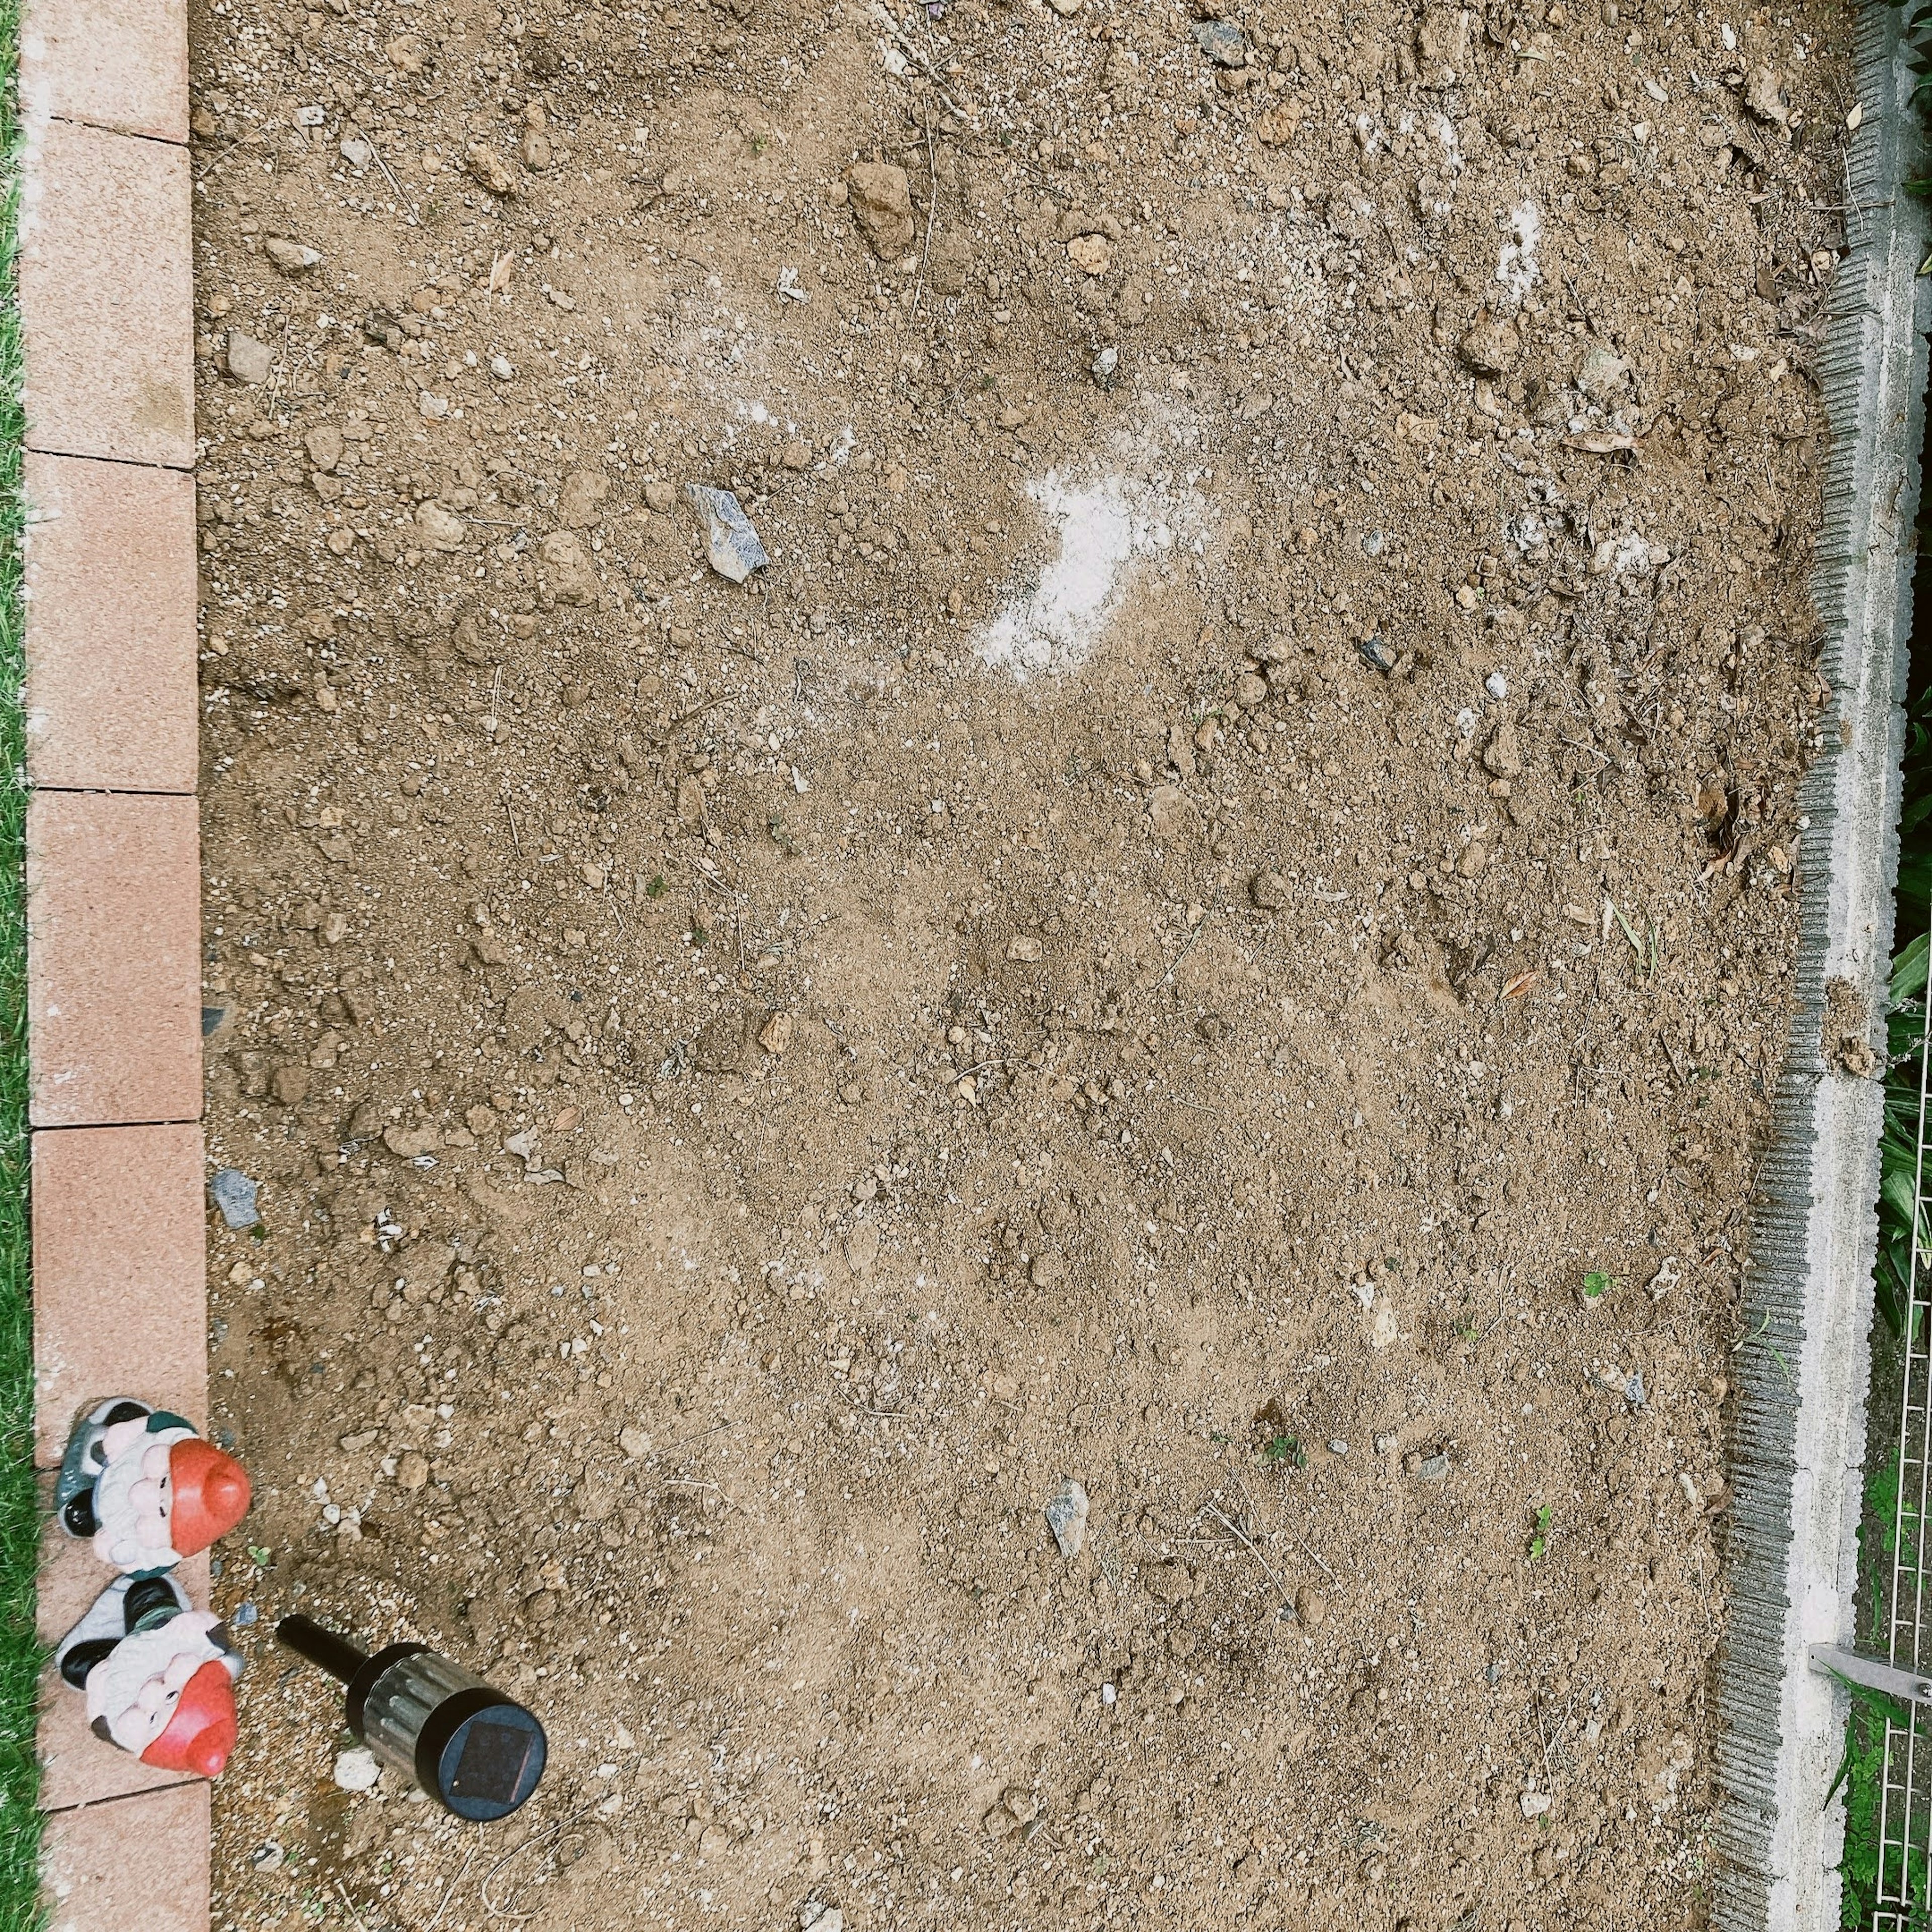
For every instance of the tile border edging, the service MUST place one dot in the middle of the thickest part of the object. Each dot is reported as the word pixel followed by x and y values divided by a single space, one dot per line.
pixel 113 97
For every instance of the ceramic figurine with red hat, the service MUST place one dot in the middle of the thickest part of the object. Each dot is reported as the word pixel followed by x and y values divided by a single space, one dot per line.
pixel 159 1675
pixel 145 1487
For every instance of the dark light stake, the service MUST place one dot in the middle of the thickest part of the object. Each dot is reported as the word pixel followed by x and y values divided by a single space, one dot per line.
pixel 477 1753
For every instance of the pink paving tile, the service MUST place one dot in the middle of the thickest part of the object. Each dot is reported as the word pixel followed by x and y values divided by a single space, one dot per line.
pixel 107 296
pixel 111 684
pixel 113 987
pixel 109 63
pixel 119 1306
pixel 77 1767
pixel 138 1862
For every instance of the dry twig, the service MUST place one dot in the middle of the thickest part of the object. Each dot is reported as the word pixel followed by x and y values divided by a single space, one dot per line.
pixel 1247 1543
pixel 449 1890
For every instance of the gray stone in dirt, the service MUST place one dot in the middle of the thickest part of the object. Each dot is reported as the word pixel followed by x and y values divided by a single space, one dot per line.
pixel 248 360
pixel 1601 371
pixel 730 542
pixel 1432 1468
pixel 524 1146
pixel 813 1916
pixel 356 151
pixel 234 1194
pixel 440 528
pixel 1634 1391
pixel 1066 1517
pixel 291 257
pixel 1377 654
pixel 357 1770
pixel 1222 42
pixel 1104 366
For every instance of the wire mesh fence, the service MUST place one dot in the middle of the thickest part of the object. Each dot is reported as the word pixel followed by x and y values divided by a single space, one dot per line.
pixel 1900 1899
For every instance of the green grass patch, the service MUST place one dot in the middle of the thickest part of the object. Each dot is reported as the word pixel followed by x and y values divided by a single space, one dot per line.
pixel 1861 1775
pixel 19 1650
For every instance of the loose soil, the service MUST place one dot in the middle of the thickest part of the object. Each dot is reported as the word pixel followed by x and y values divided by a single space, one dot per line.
pixel 1217 923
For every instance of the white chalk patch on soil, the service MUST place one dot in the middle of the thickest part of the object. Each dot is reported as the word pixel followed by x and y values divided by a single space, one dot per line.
pixel 1517 266
pixel 1104 527
pixel 1629 555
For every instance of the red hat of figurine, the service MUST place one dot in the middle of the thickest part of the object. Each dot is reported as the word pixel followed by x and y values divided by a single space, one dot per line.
pixel 211 1495
pixel 201 1733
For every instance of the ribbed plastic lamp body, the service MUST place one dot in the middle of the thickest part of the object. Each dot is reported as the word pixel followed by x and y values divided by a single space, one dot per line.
pixel 477 1753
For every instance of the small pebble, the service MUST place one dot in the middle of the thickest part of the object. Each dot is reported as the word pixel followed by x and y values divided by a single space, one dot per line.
pixel 291 258
pixel 357 1770
pixel 235 1194
pixel 1066 1517
pixel 1222 42
pixel 730 543
pixel 249 361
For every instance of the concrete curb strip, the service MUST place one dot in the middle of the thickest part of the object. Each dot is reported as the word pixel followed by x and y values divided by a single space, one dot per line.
pixel 113 867
pixel 1799 1445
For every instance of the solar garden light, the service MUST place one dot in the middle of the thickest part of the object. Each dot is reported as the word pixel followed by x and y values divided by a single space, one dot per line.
pixel 477 1753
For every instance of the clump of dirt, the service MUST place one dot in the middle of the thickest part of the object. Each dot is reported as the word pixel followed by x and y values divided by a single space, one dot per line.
pixel 1216 923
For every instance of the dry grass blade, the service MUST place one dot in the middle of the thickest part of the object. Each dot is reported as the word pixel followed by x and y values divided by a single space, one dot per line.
pixel 1247 1543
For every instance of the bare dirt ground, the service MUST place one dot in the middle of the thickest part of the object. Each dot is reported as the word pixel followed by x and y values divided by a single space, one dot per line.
pixel 1216 923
